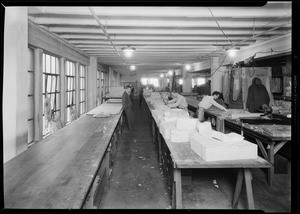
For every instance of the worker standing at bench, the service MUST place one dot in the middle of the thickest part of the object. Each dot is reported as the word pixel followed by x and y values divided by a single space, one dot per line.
pixel 207 102
pixel 127 105
pixel 178 101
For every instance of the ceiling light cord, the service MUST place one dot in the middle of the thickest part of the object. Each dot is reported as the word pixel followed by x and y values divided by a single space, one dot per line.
pixel 219 26
pixel 105 33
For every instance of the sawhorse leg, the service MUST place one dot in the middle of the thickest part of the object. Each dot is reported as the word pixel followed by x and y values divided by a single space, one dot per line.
pixel 177 190
pixel 269 156
pixel 243 173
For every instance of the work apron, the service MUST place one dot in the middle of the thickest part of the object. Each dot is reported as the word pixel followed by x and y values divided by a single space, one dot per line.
pixel 201 117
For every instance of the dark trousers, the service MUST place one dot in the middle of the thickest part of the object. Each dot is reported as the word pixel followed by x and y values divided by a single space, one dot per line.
pixel 141 100
pixel 129 118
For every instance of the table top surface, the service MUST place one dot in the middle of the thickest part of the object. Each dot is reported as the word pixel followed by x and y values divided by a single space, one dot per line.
pixel 184 157
pixel 58 171
pixel 254 133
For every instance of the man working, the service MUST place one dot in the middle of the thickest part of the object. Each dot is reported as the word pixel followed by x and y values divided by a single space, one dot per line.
pixel 207 102
pixel 178 101
pixel 127 105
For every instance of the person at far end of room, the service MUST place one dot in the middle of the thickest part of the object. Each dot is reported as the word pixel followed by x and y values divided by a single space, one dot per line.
pixel 178 101
pixel 207 102
pixel 127 106
pixel 132 92
pixel 141 92
pixel 257 96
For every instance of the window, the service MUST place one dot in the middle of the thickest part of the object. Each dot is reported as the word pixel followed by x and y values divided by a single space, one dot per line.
pixel 193 83
pixel 51 93
pixel 98 87
pixel 152 81
pixel 30 114
pixel 200 81
pixel 144 81
pixel 71 89
pixel 82 83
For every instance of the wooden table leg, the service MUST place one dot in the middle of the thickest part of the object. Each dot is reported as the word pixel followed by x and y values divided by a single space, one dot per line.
pixel 153 130
pixel 269 156
pixel 238 188
pixel 178 190
pixel 271 160
pixel 159 147
pixel 248 184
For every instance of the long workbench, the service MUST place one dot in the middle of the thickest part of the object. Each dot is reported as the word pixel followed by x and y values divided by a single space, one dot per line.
pixel 268 145
pixel 176 157
pixel 67 170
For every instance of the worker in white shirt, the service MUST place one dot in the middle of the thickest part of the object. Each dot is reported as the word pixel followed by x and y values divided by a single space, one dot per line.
pixel 207 102
pixel 178 101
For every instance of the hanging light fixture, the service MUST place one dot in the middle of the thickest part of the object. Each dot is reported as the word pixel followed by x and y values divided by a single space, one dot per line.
pixel 132 67
pixel 232 51
pixel 128 51
pixel 170 73
pixel 188 67
pixel 161 75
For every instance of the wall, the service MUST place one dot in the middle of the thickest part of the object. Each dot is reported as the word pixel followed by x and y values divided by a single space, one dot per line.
pixel 15 82
pixel 39 37
pixel 128 78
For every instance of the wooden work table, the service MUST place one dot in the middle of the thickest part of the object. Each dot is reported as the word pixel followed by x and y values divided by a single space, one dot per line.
pixel 58 172
pixel 268 145
pixel 178 156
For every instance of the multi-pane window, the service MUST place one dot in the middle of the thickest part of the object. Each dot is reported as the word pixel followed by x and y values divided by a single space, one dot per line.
pixel 200 81
pixel 98 88
pixel 71 89
pixel 30 114
pixel 51 93
pixel 193 83
pixel 151 81
pixel 82 89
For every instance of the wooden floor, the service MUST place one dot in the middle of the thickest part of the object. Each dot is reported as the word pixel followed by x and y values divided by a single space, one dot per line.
pixel 137 181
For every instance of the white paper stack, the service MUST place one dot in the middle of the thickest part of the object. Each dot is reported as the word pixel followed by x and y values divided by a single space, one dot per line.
pixel 188 124
pixel 157 115
pixel 160 106
pixel 217 135
pixel 230 137
pixel 176 113
pixel 181 136
pixel 106 108
pixel 204 128
pixel 211 149
pixel 166 127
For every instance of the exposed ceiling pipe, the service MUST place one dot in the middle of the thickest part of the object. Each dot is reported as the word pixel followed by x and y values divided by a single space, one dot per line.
pixel 105 33
pixel 252 37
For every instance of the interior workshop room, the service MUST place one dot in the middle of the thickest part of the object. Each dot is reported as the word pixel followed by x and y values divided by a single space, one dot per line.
pixel 145 107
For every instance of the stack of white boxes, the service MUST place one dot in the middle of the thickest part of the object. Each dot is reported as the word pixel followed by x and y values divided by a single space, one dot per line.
pixel 211 145
pixel 169 121
pixel 184 127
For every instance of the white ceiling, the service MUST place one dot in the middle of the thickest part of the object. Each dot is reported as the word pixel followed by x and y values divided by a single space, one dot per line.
pixel 164 37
